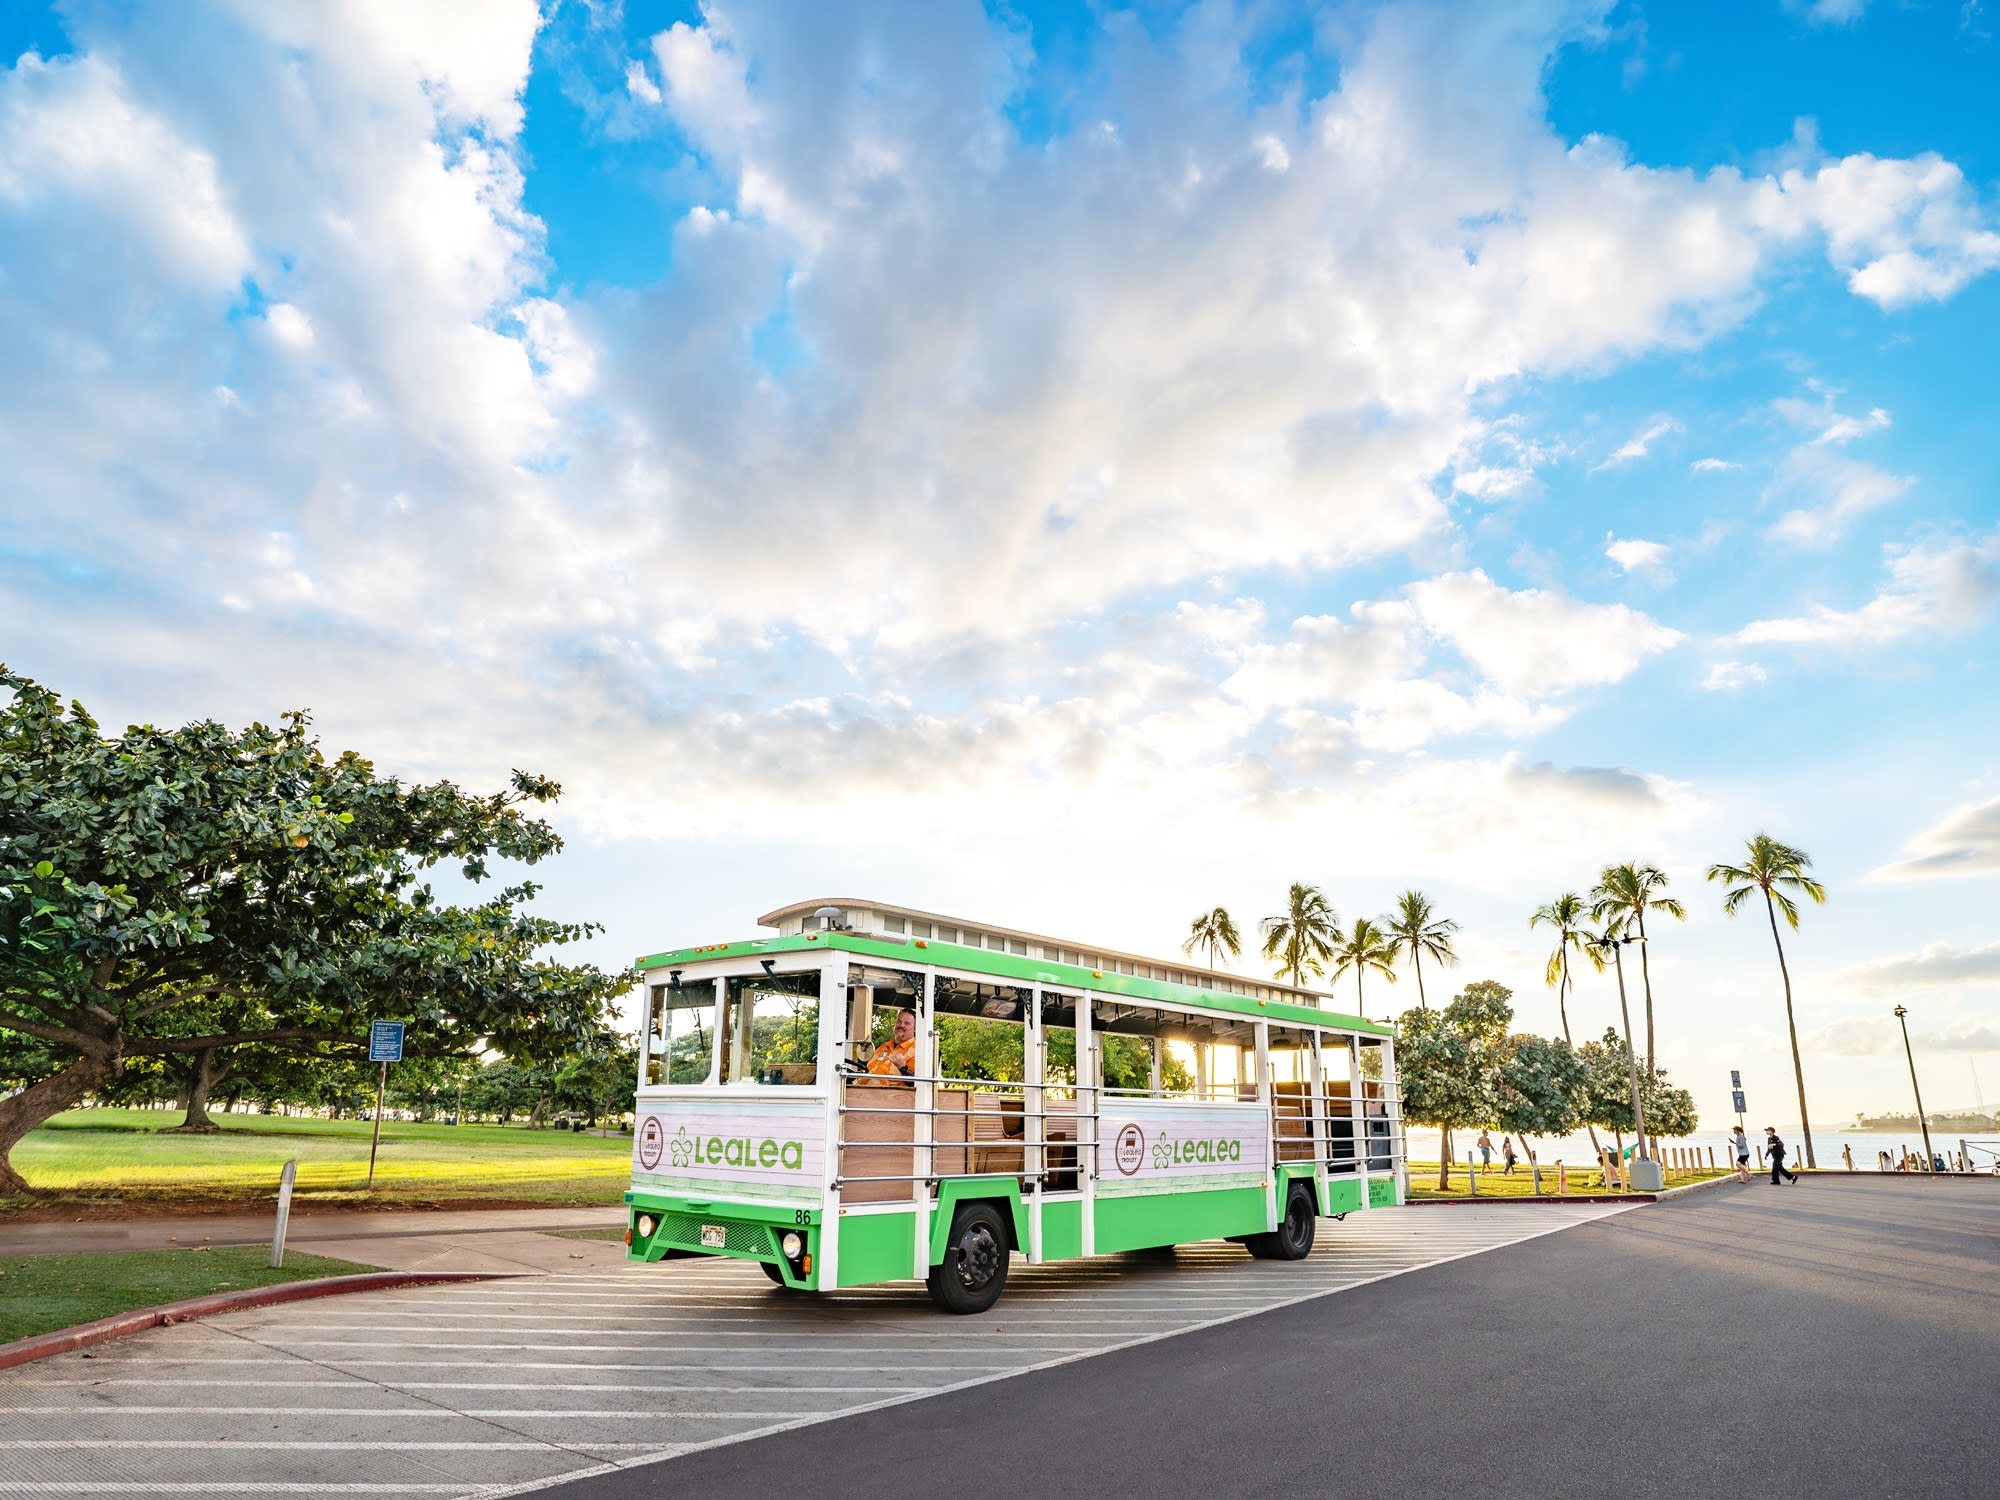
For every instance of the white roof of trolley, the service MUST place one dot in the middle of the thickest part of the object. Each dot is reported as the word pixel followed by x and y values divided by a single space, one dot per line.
pixel 866 914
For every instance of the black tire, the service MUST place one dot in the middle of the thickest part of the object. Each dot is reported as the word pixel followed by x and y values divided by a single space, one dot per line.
pixel 776 1273
pixel 1293 1238
pixel 974 1270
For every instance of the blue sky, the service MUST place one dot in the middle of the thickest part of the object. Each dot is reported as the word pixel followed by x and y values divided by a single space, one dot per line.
pixel 1067 464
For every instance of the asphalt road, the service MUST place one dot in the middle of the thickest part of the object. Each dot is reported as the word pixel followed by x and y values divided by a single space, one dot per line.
pixel 1840 1338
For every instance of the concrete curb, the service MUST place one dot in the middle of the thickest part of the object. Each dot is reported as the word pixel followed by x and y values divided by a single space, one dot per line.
pixel 68 1340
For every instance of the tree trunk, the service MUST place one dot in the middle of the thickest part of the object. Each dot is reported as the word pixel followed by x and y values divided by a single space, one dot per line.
pixel 1798 1071
pixel 207 1074
pixel 1562 1008
pixel 38 1102
pixel 1444 1161
pixel 1646 975
pixel 1417 958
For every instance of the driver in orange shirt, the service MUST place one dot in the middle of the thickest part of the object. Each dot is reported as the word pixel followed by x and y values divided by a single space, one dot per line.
pixel 896 1059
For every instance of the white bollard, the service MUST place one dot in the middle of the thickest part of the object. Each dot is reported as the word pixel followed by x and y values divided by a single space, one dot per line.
pixel 285 1180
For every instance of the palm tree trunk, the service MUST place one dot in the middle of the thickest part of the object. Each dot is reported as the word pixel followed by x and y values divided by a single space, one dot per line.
pixel 1791 1025
pixel 1417 958
pixel 1646 974
pixel 1360 1007
pixel 1562 998
pixel 1562 1006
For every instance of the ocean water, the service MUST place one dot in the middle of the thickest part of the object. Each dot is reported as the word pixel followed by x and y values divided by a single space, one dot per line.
pixel 1827 1143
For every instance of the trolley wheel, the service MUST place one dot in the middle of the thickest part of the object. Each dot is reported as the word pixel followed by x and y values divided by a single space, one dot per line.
pixel 776 1274
pixel 1293 1238
pixel 974 1270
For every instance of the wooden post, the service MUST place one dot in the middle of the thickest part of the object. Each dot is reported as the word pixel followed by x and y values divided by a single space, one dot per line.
pixel 285 1180
pixel 1562 1178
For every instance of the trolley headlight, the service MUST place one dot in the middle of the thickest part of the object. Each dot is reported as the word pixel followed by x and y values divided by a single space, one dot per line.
pixel 791 1244
pixel 647 1224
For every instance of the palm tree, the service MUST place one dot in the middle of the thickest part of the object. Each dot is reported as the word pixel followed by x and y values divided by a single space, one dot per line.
pixel 1301 940
pixel 1215 931
pixel 1365 947
pixel 1770 867
pixel 1628 892
pixel 1565 914
pixel 1414 928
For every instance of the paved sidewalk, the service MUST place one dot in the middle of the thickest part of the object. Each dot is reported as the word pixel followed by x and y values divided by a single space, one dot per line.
pixel 510 1239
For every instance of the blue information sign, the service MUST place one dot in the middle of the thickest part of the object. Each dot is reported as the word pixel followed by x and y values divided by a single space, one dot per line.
pixel 1735 1079
pixel 1736 1102
pixel 385 1041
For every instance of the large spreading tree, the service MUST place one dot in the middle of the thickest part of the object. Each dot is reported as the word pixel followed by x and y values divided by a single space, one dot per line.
pixel 192 891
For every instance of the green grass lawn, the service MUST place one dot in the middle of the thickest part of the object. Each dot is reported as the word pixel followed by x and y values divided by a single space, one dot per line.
pixel 1497 1184
pixel 124 1153
pixel 41 1293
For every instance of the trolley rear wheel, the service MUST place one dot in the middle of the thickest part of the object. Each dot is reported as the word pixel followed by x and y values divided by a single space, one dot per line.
pixel 1293 1238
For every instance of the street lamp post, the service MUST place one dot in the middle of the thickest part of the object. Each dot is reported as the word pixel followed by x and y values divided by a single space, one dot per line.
pixel 1923 1123
pixel 1617 946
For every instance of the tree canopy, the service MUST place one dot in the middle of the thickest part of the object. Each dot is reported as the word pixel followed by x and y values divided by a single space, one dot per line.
pixel 178 891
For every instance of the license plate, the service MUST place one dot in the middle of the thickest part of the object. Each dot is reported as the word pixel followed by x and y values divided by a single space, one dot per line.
pixel 712 1236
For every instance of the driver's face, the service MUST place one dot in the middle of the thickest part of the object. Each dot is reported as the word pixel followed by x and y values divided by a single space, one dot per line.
pixel 906 1026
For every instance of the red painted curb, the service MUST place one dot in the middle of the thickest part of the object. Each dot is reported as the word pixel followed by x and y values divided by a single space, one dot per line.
pixel 68 1340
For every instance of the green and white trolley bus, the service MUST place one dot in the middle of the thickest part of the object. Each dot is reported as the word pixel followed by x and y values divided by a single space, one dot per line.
pixel 1122 1104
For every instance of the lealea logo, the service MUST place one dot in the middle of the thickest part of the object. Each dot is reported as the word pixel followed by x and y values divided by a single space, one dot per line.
pixel 1131 1150
pixel 736 1151
pixel 1204 1151
pixel 652 1138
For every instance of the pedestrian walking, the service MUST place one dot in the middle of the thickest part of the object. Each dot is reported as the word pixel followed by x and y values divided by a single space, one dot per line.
pixel 1775 1149
pixel 1847 1155
pixel 1485 1144
pixel 1741 1143
pixel 1507 1154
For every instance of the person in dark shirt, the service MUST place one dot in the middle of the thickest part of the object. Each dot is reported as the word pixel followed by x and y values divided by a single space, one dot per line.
pixel 1775 1149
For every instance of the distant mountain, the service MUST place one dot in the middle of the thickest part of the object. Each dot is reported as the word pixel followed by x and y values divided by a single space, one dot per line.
pixel 1960 1120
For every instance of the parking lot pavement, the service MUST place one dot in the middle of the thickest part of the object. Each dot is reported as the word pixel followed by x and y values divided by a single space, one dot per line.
pixel 486 1388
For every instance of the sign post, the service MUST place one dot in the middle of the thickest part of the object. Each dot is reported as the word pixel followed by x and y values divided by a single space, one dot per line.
pixel 1736 1095
pixel 385 1045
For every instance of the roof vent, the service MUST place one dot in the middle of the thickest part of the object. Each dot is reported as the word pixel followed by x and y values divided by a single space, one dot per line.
pixel 829 919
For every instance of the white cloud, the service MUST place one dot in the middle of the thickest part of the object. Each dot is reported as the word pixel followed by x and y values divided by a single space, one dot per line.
pixel 1637 446
pixel 1873 1036
pixel 289 327
pixel 639 84
pixel 1728 676
pixel 1844 490
pixel 77 142
pixel 1634 554
pixel 1934 963
pixel 1966 842
pixel 1712 466
pixel 1941 588
pixel 1535 641
pixel 1828 12
pixel 598 527
pixel 1837 490
pixel 1903 230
